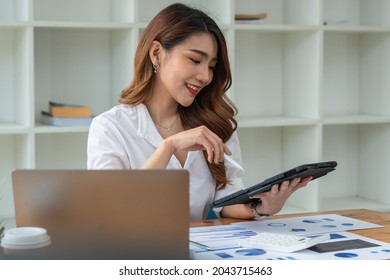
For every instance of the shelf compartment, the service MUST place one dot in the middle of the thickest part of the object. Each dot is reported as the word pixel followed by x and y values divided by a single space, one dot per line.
pixel 61 150
pixel 14 10
pixel 267 151
pixel 80 25
pixel 276 74
pixel 16 156
pixel 355 73
pixel 12 128
pixel 355 119
pixel 42 129
pixel 286 12
pixel 258 121
pixel 219 10
pixel 85 67
pixel 356 12
pixel 353 203
pixel 276 28
pixel 15 76
pixel 363 160
pixel 109 11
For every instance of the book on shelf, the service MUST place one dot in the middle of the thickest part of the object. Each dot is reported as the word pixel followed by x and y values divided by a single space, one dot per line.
pixel 63 114
pixel 68 110
pixel 46 118
pixel 250 18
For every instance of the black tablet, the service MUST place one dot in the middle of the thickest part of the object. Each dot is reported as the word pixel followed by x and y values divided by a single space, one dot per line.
pixel 316 170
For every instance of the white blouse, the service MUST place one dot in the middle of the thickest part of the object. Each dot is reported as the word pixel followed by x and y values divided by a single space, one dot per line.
pixel 125 137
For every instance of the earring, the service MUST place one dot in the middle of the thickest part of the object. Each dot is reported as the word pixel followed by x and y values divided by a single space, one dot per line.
pixel 155 66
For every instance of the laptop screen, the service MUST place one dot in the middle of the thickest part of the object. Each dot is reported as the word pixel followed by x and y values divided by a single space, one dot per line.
pixel 107 214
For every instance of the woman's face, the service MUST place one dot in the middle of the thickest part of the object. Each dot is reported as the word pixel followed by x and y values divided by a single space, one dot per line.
pixel 187 68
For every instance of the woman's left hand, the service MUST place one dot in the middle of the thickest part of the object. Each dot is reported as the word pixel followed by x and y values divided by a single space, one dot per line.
pixel 273 200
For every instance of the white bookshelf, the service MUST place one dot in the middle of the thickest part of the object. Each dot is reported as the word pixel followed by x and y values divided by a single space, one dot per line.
pixel 306 91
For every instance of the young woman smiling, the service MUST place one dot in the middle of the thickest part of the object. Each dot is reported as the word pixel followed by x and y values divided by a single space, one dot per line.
pixel 175 114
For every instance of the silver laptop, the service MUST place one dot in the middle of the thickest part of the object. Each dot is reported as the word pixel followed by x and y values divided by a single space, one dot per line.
pixel 107 214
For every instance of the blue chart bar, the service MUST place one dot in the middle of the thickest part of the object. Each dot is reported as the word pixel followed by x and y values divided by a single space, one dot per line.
pixel 218 238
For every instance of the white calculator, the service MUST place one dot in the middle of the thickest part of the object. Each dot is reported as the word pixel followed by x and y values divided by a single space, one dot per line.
pixel 282 242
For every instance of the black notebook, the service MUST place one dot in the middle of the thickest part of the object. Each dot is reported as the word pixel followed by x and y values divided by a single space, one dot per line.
pixel 316 170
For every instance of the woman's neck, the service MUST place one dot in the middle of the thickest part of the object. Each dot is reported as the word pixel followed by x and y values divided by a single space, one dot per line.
pixel 162 110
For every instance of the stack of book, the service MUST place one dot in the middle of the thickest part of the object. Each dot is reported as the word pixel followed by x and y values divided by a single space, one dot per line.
pixel 61 114
pixel 250 18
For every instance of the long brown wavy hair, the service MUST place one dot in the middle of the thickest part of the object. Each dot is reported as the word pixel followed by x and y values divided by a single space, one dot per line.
pixel 212 108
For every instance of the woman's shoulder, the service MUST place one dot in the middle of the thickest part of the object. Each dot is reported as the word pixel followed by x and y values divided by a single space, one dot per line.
pixel 118 116
pixel 119 112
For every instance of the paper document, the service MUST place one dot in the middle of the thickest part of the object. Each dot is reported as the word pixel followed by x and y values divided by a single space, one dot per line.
pixel 223 242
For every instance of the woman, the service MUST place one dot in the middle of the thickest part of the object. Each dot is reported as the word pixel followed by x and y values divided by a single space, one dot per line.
pixel 175 114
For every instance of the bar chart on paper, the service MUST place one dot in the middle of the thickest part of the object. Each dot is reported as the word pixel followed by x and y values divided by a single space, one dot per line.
pixel 223 242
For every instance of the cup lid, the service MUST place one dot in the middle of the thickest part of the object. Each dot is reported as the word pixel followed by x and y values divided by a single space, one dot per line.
pixel 25 238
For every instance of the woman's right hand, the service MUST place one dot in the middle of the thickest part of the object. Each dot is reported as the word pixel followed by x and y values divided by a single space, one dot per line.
pixel 199 138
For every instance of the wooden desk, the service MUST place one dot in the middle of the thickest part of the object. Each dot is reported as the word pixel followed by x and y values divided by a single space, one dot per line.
pixel 382 234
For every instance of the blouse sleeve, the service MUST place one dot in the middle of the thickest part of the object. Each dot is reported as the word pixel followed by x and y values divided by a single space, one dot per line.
pixel 105 149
